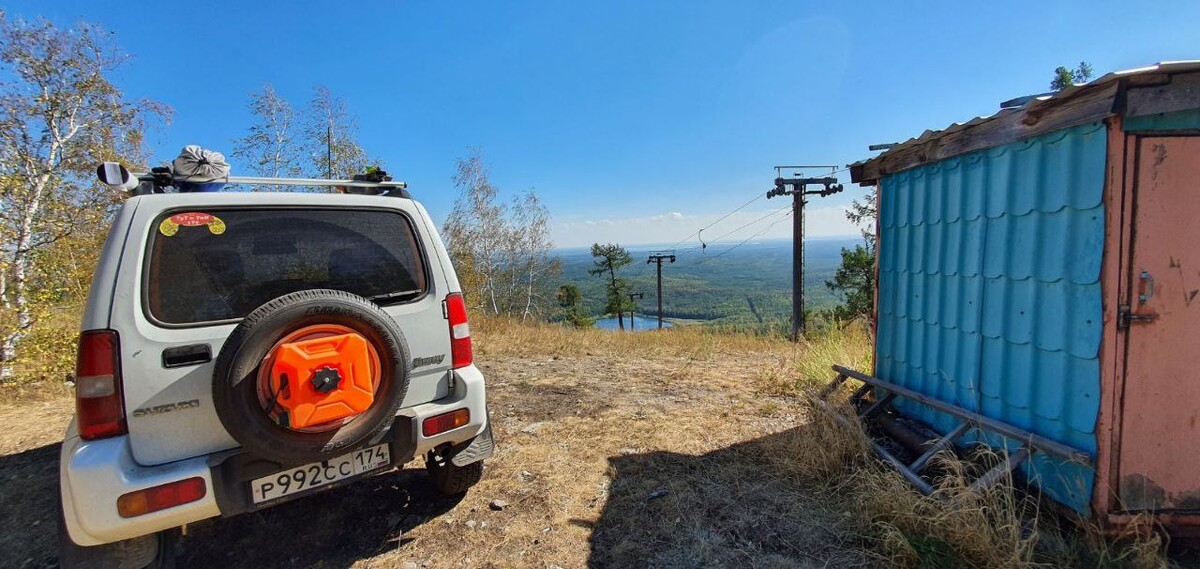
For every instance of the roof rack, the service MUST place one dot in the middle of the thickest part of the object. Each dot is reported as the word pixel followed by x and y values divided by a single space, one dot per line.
pixel 267 181
pixel 374 182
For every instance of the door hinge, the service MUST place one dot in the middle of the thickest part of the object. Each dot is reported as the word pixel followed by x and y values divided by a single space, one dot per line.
pixel 1126 316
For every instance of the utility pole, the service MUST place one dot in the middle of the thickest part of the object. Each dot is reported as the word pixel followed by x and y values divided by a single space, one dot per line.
pixel 798 191
pixel 657 257
pixel 633 309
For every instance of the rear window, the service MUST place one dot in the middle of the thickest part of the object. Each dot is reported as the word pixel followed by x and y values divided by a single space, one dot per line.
pixel 208 266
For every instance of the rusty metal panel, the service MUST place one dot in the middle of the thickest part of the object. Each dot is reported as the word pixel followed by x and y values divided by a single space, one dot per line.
pixel 1118 225
pixel 989 291
pixel 1158 464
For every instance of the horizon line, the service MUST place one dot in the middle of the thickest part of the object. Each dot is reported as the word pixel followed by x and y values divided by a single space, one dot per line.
pixel 660 245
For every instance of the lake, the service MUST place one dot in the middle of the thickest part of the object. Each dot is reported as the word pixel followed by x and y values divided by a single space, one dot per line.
pixel 640 323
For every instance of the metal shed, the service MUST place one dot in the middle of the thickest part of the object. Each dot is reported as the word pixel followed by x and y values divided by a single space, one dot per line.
pixel 1039 267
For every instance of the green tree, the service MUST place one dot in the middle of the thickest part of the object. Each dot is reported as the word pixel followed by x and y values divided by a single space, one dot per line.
pixel 854 280
pixel 863 215
pixel 1064 77
pixel 59 116
pixel 569 299
pixel 609 259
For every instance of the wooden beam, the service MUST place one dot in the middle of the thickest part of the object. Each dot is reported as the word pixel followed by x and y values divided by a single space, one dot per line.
pixel 1182 93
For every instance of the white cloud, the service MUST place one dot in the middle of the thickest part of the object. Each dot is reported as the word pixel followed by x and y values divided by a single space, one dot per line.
pixel 673 216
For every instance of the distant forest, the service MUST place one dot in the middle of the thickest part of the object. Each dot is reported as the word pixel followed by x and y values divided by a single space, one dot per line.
pixel 746 288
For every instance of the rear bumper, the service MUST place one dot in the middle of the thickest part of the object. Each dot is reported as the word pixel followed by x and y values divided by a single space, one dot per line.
pixel 93 474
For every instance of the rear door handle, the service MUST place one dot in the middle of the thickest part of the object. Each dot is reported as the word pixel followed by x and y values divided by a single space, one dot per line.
pixel 180 356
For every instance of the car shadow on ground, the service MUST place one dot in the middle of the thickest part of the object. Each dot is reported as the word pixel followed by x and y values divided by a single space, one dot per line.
pixel 732 507
pixel 738 506
pixel 29 508
pixel 330 529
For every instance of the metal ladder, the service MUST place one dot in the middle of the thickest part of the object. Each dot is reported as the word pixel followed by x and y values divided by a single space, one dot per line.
pixel 888 392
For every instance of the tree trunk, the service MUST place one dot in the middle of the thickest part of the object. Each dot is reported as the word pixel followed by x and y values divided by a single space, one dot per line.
pixel 529 293
pixel 612 285
pixel 20 275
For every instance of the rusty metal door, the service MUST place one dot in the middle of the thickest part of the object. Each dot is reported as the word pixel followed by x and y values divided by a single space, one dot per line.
pixel 1159 461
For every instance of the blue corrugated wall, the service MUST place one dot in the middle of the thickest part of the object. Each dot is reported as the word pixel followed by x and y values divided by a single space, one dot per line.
pixel 989 291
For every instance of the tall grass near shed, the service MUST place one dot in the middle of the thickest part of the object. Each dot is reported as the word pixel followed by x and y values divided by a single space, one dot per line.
pixel 813 478
pixel 1000 527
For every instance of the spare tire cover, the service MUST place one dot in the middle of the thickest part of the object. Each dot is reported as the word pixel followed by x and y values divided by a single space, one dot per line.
pixel 237 377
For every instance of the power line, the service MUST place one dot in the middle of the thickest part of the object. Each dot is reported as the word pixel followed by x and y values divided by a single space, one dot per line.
pixel 735 230
pixel 735 210
pixel 722 218
pixel 746 240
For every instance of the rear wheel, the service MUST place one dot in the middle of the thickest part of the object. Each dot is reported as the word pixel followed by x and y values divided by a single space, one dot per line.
pixel 450 479
pixel 154 551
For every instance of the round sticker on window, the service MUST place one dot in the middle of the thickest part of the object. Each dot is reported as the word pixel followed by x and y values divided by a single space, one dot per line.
pixel 170 226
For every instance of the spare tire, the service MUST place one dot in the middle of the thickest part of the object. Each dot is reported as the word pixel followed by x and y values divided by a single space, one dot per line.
pixel 327 404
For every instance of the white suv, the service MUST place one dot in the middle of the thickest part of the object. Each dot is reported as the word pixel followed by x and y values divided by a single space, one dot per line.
pixel 242 349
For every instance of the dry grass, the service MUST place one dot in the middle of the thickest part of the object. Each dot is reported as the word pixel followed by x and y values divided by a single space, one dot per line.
pixel 828 471
pixel 507 337
pixel 809 364
pixel 681 448
pixel 783 367
pixel 1001 527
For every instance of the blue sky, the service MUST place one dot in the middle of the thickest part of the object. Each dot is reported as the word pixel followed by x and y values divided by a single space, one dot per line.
pixel 635 121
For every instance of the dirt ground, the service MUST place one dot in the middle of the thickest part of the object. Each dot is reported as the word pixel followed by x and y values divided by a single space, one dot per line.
pixel 605 460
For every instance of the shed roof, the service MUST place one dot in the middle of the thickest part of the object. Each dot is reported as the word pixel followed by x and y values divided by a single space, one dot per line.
pixel 1160 88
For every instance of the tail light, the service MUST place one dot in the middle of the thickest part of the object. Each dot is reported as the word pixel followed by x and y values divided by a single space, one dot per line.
pixel 161 497
pixel 460 331
pixel 99 406
pixel 445 422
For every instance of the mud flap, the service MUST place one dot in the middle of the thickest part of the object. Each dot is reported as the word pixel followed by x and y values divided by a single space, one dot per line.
pixel 481 447
pixel 153 550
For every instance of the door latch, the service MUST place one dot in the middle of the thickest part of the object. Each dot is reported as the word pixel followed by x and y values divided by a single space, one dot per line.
pixel 1126 316
pixel 1145 287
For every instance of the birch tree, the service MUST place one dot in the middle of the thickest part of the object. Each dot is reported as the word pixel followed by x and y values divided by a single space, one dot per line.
pixel 271 148
pixel 59 117
pixel 502 252
pixel 331 138
pixel 533 261
pixel 476 232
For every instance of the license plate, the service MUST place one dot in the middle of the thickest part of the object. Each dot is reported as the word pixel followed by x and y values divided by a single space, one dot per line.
pixel 319 474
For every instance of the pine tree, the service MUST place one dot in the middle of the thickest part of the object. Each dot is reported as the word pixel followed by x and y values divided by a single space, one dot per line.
pixel 610 258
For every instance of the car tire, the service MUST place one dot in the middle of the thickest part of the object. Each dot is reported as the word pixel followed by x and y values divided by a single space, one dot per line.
pixel 450 479
pixel 235 395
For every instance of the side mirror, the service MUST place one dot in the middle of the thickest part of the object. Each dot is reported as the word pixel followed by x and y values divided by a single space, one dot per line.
pixel 116 176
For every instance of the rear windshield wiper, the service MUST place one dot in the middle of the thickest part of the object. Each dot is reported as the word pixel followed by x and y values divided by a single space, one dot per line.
pixel 394 296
